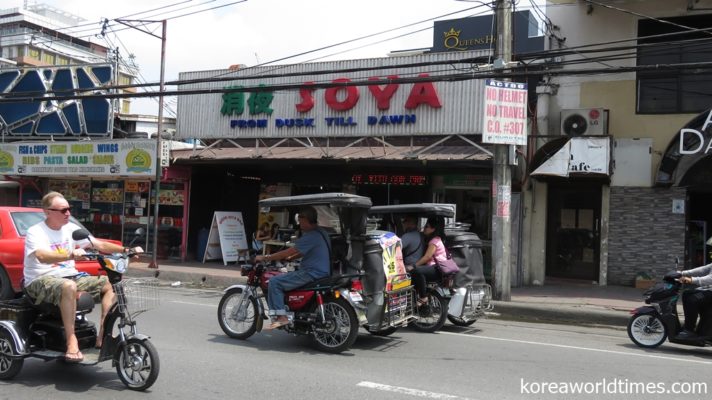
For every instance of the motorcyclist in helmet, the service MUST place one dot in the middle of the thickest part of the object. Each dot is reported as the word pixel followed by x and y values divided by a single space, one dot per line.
pixel 696 302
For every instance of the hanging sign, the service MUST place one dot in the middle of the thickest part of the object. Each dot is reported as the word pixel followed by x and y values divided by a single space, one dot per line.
pixel 227 237
pixel 133 158
pixel 505 113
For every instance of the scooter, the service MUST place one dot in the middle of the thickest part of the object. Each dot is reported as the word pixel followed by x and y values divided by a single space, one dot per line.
pixel 650 325
pixel 329 310
pixel 29 330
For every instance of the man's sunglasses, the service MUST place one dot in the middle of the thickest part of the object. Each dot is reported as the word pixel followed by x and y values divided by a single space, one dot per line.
pixel 61 210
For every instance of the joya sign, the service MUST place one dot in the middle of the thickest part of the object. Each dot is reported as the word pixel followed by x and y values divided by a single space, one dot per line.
pixel 699 135
pixel 338 99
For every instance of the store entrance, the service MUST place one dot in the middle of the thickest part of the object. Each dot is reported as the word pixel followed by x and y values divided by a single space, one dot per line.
pixel 573 234
pixel 699 229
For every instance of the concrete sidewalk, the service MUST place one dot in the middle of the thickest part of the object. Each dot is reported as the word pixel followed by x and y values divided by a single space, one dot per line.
pixel 559 301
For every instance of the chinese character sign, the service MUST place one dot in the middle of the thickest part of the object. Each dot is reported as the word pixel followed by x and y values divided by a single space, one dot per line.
pixel 505 113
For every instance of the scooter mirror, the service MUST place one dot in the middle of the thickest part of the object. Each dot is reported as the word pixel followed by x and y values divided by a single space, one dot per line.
pixel 80 234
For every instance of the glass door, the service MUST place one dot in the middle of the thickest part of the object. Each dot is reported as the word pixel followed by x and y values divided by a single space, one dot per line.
pixel 573 231
pixel 136 210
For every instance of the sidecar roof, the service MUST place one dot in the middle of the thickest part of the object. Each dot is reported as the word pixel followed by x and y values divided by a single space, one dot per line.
pixel 422 209
pixel 331 199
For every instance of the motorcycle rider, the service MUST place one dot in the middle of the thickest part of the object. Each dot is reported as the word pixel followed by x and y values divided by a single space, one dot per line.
pixel 50 273
pixel 313 248
pixel 412 241
pixel 696 302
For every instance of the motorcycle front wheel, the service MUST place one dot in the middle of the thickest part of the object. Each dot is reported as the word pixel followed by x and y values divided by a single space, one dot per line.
pixel 138 364
pixel 9 366
pixel 431 316
pixel 237 314
pixel 647 330
pixel 339 329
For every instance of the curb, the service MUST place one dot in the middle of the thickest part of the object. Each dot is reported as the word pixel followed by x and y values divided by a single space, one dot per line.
pixel 562 314
pixel 187 278
pixel 512 311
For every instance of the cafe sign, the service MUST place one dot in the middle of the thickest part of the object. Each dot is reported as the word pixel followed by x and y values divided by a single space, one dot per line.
pixel 126 158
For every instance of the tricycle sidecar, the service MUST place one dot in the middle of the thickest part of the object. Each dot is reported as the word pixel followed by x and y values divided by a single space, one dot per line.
pixel 467 295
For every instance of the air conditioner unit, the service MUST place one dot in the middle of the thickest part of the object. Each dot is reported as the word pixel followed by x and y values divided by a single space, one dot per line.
pixel 584 121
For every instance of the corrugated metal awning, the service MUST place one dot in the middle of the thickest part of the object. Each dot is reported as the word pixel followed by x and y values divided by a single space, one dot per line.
pixel 450 148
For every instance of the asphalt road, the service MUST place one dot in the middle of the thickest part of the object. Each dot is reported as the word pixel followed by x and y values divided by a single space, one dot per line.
pixel 490 360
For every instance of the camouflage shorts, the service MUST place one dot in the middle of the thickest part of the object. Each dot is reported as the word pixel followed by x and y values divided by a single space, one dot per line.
pixel 48 289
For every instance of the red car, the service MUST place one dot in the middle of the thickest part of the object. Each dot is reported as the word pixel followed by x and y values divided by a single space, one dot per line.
pixel 14 222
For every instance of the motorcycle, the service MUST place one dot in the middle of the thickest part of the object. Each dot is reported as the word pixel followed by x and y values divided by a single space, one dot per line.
pixel 651 325
pixel 381 301
pixel 29 330
pixel 461 298
pixel 328 310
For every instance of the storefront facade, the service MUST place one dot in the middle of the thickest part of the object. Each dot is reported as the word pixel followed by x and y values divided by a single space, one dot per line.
pixel 632 222
pixel 68 145
pixel 395 142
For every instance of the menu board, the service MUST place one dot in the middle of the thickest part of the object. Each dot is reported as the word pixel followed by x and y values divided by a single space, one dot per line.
pixel 72 190
pixel 107 195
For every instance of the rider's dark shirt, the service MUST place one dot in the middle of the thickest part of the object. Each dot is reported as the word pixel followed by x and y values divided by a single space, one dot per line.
pixel 315 253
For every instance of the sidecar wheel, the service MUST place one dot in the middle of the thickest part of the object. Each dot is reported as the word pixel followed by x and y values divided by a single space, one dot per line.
pixel 647 330
pixel 431 317
pixel 9 366
pixel 138 366
pixel 339 331
pixel 237 320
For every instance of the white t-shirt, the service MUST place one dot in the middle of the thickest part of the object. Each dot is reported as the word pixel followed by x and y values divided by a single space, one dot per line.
pixel 41 236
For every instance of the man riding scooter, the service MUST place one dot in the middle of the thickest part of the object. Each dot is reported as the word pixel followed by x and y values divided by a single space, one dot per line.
pixel 696 302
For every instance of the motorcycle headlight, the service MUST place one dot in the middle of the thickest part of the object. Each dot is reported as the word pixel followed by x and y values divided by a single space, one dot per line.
pixel 117 264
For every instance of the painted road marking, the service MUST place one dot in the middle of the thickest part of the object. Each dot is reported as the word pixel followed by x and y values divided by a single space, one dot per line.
pixel 409 391
pixel 563 346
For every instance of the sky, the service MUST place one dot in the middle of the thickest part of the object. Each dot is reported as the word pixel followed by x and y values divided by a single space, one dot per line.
pixel 259 31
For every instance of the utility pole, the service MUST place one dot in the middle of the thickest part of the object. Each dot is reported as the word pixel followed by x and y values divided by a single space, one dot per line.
pixel 159 161
pixel 501 171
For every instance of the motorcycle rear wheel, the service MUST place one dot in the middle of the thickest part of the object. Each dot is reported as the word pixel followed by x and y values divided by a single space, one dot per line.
pixel 340 330
pixel 431 316
pixel 9 367
pixel 237 320
pixel 139 369
pixel 647 330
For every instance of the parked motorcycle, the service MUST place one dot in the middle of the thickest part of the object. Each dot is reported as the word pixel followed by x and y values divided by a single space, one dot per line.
pixel 29 330
pixel 650 325
pixel 461 298
pixel 329 310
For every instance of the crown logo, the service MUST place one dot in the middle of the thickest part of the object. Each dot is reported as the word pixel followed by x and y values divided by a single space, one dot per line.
pixel 452 33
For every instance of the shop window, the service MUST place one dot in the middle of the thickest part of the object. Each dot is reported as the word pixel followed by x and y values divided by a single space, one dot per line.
pixel 62 60
pixel 107 208
pixel 673 91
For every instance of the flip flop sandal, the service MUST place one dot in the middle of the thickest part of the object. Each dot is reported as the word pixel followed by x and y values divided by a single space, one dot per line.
pixel 73 358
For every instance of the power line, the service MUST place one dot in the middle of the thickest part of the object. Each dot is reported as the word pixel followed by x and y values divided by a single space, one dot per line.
pixel 517 72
